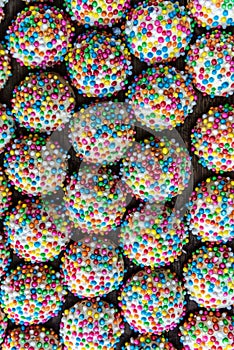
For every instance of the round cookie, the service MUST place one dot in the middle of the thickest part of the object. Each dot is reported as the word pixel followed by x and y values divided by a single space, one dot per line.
pixel 152 301
pixel 97 13
pixel 92 267
pixel 158 31
pixel 211 210
pixel 210 62
pixel 99 64
pixel 161 97
pixel 40 36
pixel 208 276
pixel 101 133
pixel 7 126
pixel 95 202
pixel 5 256
pixel 43 102
pixel 208 330
pixel 148 342
pixel 35 165
pixel 153 236
pixel 5 193
pixel 212 13
pixel 37 230
pixel 32 294
pixel 91 325
pixel 5 67
pixel 212 138
pixel 3 326
pixel 33 337
pixel 156 169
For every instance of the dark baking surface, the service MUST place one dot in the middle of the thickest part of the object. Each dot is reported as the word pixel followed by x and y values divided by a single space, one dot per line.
pixel 200 173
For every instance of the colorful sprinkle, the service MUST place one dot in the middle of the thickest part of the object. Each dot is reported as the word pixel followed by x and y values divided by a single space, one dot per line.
pixel 101 133
pixel 95 202
pixel 32 338
pixel 92 267
pixel 32 294
pixel 153 236
pixel 209 276
pixel 43 102
pixel 99 64
pixel 208 330
pixel 161 97
pixel 158 31
pixel 3 326
pixel 211 210
pixel 37 230
pixel 91 325
pixel 5 256
pixel 210 61
pixel 148 342
pixel 213 139
pixel 35 165
pixel 40 36
pixel 212 13
pixel 7 127
pixel 5 67
pixel 5 193
pixel 2 13
pixel 97 13
pixel 156 169
pixel 153 301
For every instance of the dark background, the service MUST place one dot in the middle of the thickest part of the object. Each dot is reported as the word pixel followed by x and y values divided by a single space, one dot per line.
pixel 200 173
